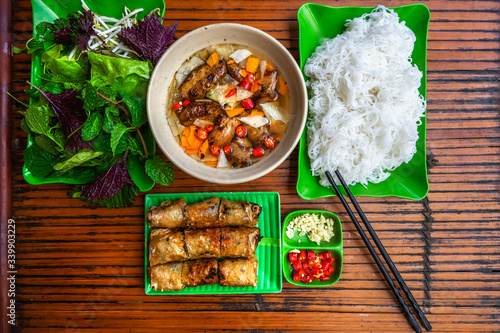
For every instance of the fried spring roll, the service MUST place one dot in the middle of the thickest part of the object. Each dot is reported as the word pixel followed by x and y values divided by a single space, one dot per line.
pixel 200 272
pixel 238 272
pixel 170 214
pixel 203 214
pixel 167 277
pixel 239 242
pixel 202 243
pixel 238 213
pixel 166 245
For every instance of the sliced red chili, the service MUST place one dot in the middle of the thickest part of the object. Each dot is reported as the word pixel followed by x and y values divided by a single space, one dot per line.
pixel 201 134
pixel 215 150
pixel 326 254
pixel 258 152
pixel 323 278
pixel 247 103
pixel 310 255
pixel 241 131
pixel 250 78
pixel 245 84
pixel 177 106
pixel 296 277
pixel 301 272
pixel 231 93
pixel 186 102
pixel 325 265
pixel 297 265
pixel 269 142
pixel 228 150
pixel 209 128
pixel 292 256
pixel 302 255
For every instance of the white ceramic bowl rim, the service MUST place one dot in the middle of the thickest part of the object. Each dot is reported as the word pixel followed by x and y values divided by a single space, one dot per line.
pixel 189 44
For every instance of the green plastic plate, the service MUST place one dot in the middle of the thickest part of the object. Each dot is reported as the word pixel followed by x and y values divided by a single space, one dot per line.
pixel 319 22
pixel 303 243
pixel 49 10
pixel 268 251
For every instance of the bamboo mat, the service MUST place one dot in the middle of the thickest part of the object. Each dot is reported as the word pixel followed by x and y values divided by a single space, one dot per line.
pixel 80 269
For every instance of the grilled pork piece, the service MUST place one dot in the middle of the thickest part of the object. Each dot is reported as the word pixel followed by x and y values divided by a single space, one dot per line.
pixel 267 92
pixel 224 130
pixel 257 135
pixel 242 150
pixel 234 71
pixel 199 110
pixel 201 80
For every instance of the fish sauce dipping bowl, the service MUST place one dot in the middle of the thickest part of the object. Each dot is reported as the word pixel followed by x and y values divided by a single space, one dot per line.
pixel 211 35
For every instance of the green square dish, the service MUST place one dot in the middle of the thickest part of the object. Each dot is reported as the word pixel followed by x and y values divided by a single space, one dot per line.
pixel 320 22
pixel 334 246
pixel 49 10
pixel 268 251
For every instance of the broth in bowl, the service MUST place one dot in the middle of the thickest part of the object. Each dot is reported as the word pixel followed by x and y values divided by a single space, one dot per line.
pixel 228 106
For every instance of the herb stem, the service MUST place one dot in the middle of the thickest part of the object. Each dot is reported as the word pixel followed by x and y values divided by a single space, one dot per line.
pixel 128 115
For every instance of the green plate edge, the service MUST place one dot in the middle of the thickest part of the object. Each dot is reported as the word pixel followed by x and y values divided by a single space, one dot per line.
pixel 317 22
pixel 335 247
pixel 268 251
pixel 49 10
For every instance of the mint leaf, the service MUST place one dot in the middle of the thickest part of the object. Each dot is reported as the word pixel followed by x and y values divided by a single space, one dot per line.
pixel 17 50
pixel 39 162
pixel 41 28
pixel 92 126
pixel 46 144
pixel 37 118
pixel 111 118
pixel 116 134
pixel 25 127
pixel 137 109
pixel 160 171
pixel 77 160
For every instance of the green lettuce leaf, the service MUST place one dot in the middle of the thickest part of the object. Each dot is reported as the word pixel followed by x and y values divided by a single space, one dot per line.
pixel 78 159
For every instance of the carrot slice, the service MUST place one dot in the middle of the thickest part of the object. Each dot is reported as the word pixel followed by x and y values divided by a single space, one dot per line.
pixel 281 86
pixel 213 59
pixel 191 151
pixel 269 67
pixel 252 64
pixel 234 112
pixel 256 113
pixel 203 149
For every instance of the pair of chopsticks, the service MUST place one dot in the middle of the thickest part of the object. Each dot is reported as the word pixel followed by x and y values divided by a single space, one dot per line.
pixel 395 272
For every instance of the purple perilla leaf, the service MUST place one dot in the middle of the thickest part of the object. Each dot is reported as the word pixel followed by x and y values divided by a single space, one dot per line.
pixel 149 38
pixel 70 114
pixel 109 183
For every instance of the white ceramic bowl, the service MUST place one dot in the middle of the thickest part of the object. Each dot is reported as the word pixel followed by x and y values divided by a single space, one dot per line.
pixel 196 40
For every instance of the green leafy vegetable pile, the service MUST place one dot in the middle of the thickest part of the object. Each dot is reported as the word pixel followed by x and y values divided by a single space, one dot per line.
pixel 89 112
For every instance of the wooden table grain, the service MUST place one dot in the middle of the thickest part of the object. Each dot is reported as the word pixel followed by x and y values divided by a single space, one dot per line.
pixel 80 268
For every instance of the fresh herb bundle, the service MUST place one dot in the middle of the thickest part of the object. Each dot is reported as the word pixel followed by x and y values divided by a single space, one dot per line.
pixel 89 111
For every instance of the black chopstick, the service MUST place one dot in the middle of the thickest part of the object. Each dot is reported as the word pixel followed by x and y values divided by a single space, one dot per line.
pixel 386 256
pixel 388 279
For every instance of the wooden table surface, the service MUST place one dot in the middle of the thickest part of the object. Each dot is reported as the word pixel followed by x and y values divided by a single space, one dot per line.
pixel 80 268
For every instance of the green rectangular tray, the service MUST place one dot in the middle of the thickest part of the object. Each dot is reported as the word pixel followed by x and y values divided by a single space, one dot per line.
pixel 320 22
pixel 335 246
pixel 50 10
pixel 268 251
